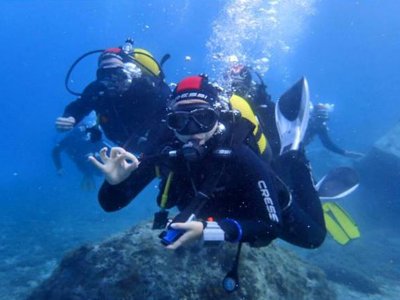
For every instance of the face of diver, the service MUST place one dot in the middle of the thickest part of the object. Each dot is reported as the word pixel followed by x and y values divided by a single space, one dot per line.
pixel 113 79
pixel 118 79
pixel 320 115
pixel 201 138
pixel 193 120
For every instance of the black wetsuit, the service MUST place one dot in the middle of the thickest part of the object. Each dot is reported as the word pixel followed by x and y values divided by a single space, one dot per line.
pixel 125 119
pixel 318 127
pixel 247 191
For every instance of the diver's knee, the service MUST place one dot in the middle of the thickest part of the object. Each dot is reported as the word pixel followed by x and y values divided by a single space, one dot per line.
pixel 318 239
pixel 107 207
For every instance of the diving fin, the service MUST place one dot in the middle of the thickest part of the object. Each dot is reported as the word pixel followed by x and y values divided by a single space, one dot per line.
pixel 339 224
pixel 334 229
pixel 338 183
pixel 292 113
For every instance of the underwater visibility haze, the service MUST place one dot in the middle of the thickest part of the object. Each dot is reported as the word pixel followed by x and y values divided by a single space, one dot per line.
pixel 348 51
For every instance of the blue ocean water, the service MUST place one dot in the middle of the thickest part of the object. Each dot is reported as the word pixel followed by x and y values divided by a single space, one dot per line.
pixel 348 50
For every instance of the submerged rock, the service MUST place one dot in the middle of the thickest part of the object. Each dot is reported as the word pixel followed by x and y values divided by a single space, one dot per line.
pixel 390 142
pixel 382 164
pixel 380 174
pixel 133 265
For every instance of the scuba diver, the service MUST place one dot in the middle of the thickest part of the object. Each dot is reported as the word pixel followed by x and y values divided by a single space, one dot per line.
pixel 222 188
pixel 247 95
pixel 128 96
pixel 80 143
pixel 318 125
pixel 241 85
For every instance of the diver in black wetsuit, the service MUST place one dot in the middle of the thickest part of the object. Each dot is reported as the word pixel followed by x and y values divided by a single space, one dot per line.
pixel 78 144
pixel 129 97
pixel 318 126
pixel 208 160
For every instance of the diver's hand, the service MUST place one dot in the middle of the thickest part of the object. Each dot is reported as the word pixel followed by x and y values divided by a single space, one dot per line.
pixel 194 231
pixel 353 154
pixel 65 124
pixel 118 166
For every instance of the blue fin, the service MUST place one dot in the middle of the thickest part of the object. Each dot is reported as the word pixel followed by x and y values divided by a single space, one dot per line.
pixel 338 183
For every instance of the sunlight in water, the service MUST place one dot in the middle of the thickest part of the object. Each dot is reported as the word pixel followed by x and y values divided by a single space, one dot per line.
pixel 255 32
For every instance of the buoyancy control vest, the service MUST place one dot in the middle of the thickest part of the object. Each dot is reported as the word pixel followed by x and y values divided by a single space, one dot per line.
pixel 248 112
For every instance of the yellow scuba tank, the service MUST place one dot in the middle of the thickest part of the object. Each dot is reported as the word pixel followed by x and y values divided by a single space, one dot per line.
pixel 242 105
pixel 146 59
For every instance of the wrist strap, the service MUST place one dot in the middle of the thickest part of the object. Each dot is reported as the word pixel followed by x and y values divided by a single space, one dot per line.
pixel 213 234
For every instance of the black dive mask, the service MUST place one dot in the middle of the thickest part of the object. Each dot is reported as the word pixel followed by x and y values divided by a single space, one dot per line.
pixel 187 122
pixel 115 80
